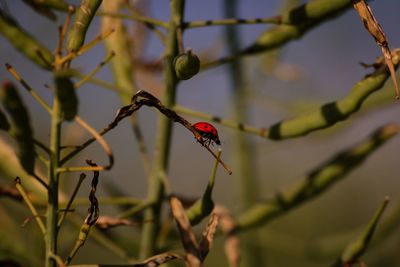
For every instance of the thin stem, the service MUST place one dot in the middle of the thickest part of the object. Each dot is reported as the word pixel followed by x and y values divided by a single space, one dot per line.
pixel 83 146
pixel 40 180
pixel 103 240
pixel 42 159
pixel 231 124
pixel 85 48
pixel 103 84
pixel 27 87
pixel 132 211
pixel 179 37
pixel 99 139
pixel 30 205
pixel 163 139
pixel 53 176
pixel 82 169
pixel 135 17
pixel 42 146
pixel 63 32
pixel 150 26
pixel 233 21
pixel 78 185
pixel 244 159
pixel 95 70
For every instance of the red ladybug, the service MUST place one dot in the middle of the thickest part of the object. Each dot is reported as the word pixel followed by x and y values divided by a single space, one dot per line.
pixel 207 131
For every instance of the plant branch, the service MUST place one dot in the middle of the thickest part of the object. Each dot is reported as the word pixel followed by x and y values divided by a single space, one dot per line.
pixel 231 21
pixel 317 182
pixel 30 205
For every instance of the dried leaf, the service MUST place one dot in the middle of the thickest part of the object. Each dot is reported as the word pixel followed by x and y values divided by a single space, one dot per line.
pixel 159 259
pixel 93 210
pixel 373 27
pixel 208 236
pixel 186 232
pixel 232 242
pixel 105 222
pixel 11 192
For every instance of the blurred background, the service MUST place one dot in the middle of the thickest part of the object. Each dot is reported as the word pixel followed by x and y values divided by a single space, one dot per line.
pixel 320 67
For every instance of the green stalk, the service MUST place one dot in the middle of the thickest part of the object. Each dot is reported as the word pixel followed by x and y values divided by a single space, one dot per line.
pixel 52 207
pixel 122 68
pixel 245 183
pixel 163 139
pixel 83 17
pixel 316 182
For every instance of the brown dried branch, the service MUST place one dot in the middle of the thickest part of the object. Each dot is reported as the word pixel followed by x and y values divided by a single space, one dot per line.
pixel 92 216
pixel 93 210
pixel 11 192
pixel 185 229
pixel 105 222
pixel 138 100
pixel 208 236
pixel 144 98
pixel 159 259
pixel 232 242
pixel 373 27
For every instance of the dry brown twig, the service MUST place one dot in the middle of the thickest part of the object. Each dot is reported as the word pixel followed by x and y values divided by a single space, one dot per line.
pixel 105 222
pixel 373 27
pixel 185 229
pixel 232 242
pixel 195 254
pixel 144 98
pixel 159 259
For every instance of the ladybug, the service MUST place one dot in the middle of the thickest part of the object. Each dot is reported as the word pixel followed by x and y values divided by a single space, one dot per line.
pixel 207 131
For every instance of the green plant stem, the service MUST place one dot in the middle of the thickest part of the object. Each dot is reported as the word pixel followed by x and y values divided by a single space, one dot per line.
pixel 95 70
pixel 123 69
pixel 67 208
pixel 234 21
pixel 53 176
pixel 83 16
pixel 103 201
pixel 163 139
pixel 244 159
pixel 24 42
pixel 30 205
pixel 204 206
pixel 321 118
pixel 355 249
pixel 232 124
pixel 135 17
pixel 138 208
pixel 297 22
pixel 104 84
pixel 317 182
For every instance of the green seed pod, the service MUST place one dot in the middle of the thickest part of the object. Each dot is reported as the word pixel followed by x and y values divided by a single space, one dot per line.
pixel 83 16
pixel 20 127
pixel 24 42
pixel 201 209
pixel 296 22
pixel 4 125
pixel 186 65
pixel 65 92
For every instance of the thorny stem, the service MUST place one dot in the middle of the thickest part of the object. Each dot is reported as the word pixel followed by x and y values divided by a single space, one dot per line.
pixel 163 139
